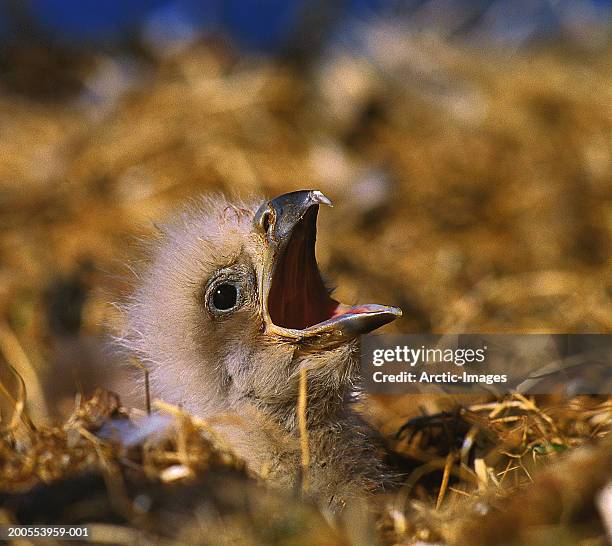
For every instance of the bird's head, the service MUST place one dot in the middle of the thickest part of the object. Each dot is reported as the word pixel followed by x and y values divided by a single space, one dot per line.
pixel 233 304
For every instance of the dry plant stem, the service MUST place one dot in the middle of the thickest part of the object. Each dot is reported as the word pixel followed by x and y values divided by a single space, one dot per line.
pixel 135 362
pixel 21 366
pixel 444 485
pixel 302 405
pixel 19 405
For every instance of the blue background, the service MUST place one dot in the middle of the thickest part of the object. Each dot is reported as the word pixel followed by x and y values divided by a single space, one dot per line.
pixel 268 25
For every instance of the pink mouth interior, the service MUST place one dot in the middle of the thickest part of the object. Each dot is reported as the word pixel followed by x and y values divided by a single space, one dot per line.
pixel 298 297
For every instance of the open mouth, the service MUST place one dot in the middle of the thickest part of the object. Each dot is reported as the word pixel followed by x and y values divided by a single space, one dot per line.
pixel 298 304
pixel 298 297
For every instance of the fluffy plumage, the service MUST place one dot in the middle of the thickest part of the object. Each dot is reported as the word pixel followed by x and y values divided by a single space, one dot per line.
pixel 232 365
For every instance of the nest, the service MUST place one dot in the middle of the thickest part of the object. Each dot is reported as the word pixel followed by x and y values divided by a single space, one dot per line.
pixel 137 477
pixel 468 475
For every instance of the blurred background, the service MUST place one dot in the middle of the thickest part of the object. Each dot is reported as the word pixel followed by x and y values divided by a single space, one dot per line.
pixel 467 146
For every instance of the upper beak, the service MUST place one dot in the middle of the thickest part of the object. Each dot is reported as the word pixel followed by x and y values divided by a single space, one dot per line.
pixel 295 303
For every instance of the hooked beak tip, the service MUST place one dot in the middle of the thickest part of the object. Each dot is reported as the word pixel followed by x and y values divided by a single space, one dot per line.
pixel 320 198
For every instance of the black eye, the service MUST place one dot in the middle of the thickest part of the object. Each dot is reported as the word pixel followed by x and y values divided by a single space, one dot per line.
pixel 224 297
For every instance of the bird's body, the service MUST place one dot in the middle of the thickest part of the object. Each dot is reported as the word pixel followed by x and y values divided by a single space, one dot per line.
pixel 229 311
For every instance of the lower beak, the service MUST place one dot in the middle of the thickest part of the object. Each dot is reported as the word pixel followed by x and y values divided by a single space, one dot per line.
pixel 296 305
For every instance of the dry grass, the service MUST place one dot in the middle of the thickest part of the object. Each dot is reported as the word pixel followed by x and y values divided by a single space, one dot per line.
pixel 474 473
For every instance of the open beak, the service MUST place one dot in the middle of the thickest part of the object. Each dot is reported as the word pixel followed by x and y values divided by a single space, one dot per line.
pixel 296 305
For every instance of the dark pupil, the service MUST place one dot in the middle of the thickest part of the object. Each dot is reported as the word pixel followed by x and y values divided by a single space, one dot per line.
pixel 225 297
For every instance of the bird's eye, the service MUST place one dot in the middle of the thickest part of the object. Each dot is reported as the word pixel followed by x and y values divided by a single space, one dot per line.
pixel 227 291
pixel 224 297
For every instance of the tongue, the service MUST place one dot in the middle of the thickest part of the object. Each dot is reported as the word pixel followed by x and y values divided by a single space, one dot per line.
pixel 342 309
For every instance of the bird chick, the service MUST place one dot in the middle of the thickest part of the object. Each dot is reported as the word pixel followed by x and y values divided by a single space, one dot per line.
pixel 229 311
